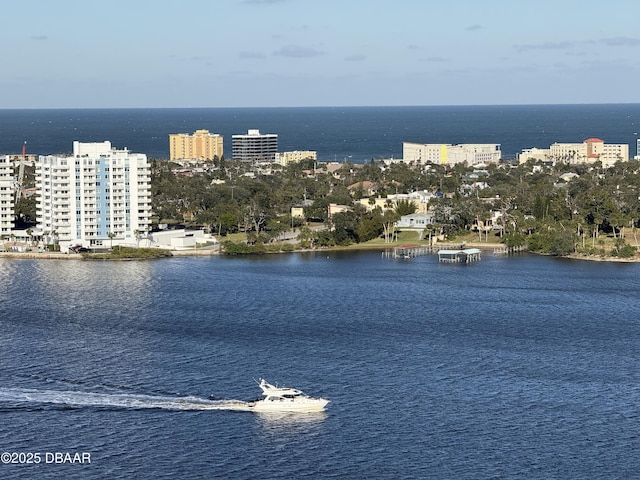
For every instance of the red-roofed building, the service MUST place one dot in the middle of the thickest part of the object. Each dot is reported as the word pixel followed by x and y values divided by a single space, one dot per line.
pixel 591 150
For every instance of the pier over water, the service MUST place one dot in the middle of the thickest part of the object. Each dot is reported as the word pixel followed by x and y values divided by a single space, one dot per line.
pixel 467 255
pixel 455 253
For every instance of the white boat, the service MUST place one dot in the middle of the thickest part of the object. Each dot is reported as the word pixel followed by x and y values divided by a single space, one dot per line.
pixel 285 399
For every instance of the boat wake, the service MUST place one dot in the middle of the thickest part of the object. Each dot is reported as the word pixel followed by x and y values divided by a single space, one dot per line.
pixel 26 396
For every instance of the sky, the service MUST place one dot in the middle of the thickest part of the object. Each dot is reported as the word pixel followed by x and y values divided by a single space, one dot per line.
pixel 281 53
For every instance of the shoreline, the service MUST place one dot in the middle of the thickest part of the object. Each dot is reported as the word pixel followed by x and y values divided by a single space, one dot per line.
pixel 43 255
pixel 76 256
pixel 379 247
pixel 594 258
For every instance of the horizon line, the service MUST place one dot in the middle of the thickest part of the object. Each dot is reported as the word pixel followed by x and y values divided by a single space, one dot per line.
pixel 328 106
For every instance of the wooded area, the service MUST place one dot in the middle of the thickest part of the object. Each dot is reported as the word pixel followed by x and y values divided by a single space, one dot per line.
pixel 537 204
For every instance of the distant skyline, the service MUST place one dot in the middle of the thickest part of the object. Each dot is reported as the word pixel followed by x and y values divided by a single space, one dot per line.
pixel 295 53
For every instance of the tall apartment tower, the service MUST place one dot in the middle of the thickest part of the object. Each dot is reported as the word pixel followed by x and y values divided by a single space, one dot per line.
pixel 99 196
pixel 255 146
pixel 7 182
pixel 202 145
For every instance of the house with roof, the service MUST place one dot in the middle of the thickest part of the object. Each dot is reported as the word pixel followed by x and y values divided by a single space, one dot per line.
pixel 366 187
pixel 415 222
pixel 420 200
pixel 567 177
pixel 334 208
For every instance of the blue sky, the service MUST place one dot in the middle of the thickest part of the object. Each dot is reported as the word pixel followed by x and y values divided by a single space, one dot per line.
pixel 257 53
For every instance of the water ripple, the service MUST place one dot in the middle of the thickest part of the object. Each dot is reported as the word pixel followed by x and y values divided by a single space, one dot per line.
pixel 520 367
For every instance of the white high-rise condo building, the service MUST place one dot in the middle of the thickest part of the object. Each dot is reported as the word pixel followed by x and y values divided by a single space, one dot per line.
pixel 255 146
pixel 7 184
pixel 99 196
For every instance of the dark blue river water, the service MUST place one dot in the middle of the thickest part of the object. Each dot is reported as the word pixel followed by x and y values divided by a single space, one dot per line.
pixel 521 367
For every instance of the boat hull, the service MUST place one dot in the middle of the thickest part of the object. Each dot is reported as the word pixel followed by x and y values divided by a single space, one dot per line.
pixel 285 405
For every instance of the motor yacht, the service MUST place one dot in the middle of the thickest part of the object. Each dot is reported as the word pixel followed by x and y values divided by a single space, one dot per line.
pixel 285 399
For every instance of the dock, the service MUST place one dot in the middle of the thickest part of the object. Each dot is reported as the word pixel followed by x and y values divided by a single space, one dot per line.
pixel 412 251
pixel 467 255
pixel 510 250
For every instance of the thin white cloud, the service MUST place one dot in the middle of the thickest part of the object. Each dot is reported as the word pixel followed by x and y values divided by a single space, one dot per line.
pixel 473 28
pixel 436 59
pixel 251 55
pixel 296 51
pixel 544 46
pixel 40 38
pixel 620 42
pixel 566 45
pixel 262 2
pixel 358 57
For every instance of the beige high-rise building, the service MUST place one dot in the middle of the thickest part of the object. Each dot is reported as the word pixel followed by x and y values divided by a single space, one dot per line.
pixel 440 153
pixel 285 158
pixel 589 151
pixel 202 145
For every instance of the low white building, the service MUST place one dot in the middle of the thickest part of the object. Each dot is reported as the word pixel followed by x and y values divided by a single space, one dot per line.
pixel 179 239
pixel 415 222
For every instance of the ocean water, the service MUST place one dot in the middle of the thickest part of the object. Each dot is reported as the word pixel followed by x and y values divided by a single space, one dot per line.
pixel 355 134
pixel 514 367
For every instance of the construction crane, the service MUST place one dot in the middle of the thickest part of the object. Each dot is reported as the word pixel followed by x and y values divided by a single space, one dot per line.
pixel 23 159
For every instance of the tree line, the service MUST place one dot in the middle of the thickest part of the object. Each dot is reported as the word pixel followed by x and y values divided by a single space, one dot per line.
pixel 556 209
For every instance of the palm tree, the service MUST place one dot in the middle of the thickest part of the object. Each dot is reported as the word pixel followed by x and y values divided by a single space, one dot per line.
pixel 405 207
pixel 111 236
pixel 388 204
pixel 54 239
pixel 389 219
